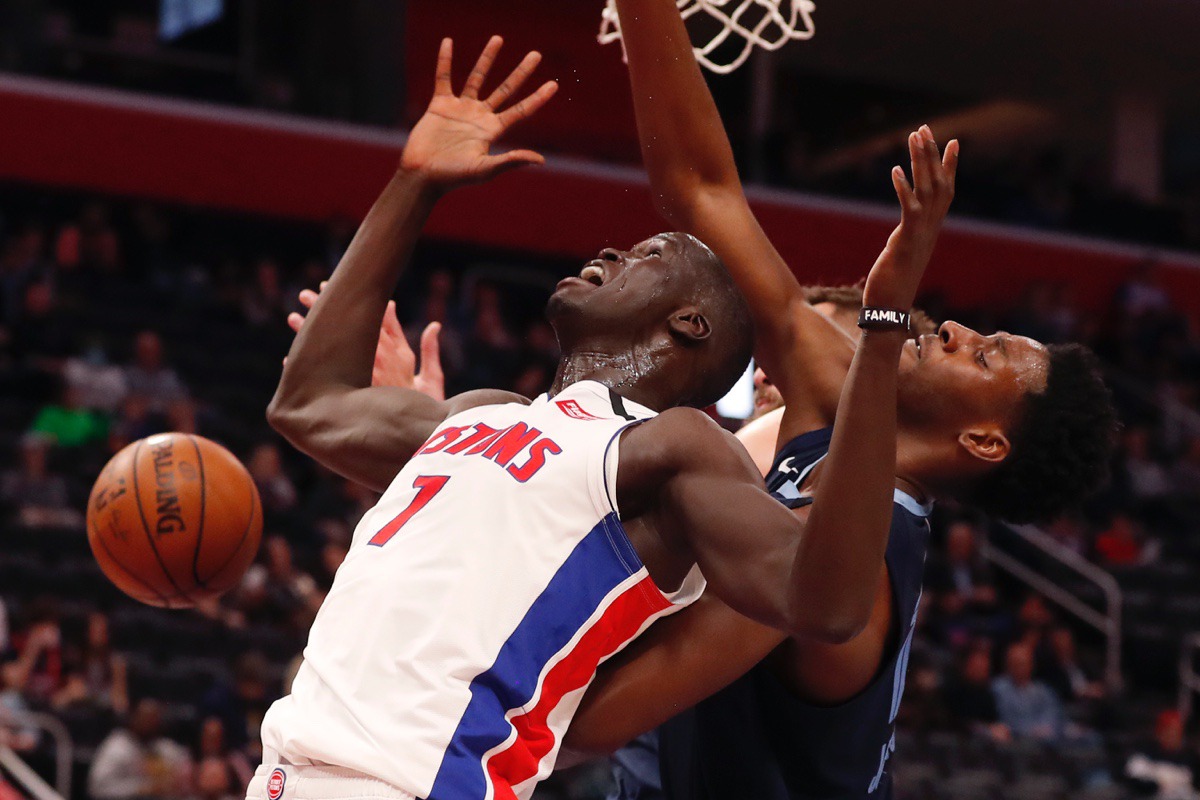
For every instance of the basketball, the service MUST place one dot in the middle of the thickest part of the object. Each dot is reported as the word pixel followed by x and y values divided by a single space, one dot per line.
pixel 174 519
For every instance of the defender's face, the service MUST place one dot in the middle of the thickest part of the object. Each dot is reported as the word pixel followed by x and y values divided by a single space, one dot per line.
pixel 625 291
pixel 962 376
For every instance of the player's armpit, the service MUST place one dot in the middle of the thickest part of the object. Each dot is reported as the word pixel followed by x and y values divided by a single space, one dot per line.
pixel 668 669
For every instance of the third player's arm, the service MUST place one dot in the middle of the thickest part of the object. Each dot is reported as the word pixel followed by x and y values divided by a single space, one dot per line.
pixel 677 663
pixel 695 184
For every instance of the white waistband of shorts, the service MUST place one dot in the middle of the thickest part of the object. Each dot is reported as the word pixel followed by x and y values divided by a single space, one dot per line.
pixel 310 782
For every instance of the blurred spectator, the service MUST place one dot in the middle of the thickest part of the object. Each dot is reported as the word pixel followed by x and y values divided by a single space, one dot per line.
pixel 1166 768
pixel 213 781
pixel 37 670
pixel 1141 293
pixel 43 334
pixel 150 376
pixel 96 676
pixel 100 385
pixel 1120 545
pixel 275 488
pixel 1149 478
pixel 963 571
pixel 21 738
pixel 241 704
pixel 39 496
pixel 1071 533
pixel 181 416
pixel 137 761
pixel 135 421
pixel 91 244
pixel 1064 673
pixel 211 747
pixel 68 423
pixel 1026 706
pixel 264 302
pixel 969 695
pixel 275 591
pixel 4 640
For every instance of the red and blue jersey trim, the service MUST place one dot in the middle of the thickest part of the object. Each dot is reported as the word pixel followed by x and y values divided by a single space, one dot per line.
pixel 602 561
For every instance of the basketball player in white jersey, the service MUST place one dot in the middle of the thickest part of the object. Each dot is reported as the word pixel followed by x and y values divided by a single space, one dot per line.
pixel 523 543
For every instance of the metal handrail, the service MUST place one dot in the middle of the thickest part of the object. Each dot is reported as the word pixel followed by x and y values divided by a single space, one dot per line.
pixel 1108 622
pixel 64 754
pixel 1189 678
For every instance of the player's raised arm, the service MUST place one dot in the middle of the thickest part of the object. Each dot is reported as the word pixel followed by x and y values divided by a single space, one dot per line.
pixel 325 404
pixel 696 187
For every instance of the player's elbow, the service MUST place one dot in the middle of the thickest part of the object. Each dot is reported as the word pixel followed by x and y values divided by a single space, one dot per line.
pixel 836 625
pixel 289 415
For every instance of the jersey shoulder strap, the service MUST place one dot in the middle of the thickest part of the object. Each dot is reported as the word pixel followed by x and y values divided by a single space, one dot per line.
pixel 794 461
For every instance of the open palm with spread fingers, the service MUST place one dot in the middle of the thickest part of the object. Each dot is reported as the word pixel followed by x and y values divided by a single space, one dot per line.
pixel 452 143
pixel 924 203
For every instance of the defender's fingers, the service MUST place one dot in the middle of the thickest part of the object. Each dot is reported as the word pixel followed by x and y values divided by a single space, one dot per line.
pixel 950 160
pixel 431 357
pixel 308 298
pixel 530 105
pixel 922 165
pixel 441 82
pixel 514 159
pixel 391 325
pixel 515 79
pixel 295 321
pixel 904 191
pixel 482 67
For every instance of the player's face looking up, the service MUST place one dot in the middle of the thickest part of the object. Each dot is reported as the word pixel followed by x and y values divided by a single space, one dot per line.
pixel 664 306
pixel 970 385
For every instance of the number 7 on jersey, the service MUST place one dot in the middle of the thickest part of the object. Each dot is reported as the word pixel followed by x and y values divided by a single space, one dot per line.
pixel 427 487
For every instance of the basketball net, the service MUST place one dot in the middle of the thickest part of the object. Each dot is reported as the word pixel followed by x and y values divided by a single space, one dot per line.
pixel 769 24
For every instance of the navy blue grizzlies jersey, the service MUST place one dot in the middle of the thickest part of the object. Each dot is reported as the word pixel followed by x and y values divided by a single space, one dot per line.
pixel 755 740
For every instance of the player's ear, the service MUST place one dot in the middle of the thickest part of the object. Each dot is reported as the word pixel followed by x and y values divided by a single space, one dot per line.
pixel 689 323
pixel 985 443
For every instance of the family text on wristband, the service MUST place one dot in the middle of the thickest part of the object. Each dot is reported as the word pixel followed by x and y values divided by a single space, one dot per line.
pixel 872 318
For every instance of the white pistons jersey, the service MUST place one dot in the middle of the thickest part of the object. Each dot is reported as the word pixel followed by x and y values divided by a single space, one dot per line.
pixel 476 602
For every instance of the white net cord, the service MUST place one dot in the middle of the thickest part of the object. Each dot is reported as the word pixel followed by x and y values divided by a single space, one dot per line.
pixel 757 23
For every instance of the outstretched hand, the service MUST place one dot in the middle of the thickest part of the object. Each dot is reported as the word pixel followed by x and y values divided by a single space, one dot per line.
pixel 893 281
pixel 395 362
pixel 451 144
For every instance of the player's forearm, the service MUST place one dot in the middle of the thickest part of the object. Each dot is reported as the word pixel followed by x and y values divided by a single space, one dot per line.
pixel 667 670
pixel 840 555
pixel 684 145
pixel 335 350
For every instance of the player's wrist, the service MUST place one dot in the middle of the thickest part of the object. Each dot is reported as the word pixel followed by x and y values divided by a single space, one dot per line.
pixel 420 178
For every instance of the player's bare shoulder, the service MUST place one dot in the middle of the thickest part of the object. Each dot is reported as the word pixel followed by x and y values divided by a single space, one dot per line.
pixel 482 397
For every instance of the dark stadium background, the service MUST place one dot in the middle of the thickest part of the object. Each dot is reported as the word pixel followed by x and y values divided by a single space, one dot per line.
pixel 174 196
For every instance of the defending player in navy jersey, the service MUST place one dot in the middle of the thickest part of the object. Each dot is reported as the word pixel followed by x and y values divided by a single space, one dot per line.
pixel 523 542
pixel 1001 422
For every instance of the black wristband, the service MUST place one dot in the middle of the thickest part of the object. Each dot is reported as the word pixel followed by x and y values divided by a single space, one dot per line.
pixel 873 318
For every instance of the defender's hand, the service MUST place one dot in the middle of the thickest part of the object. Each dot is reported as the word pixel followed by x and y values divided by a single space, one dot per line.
pixel 451 144
pixel 894 279
pixel 395 362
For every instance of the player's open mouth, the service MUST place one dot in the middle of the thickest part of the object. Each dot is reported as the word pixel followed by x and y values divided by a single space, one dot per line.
pixel 593 273
pixel 918 341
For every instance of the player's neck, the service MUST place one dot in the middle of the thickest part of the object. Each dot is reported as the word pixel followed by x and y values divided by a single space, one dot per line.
pixel 632 375
pixel 911 474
